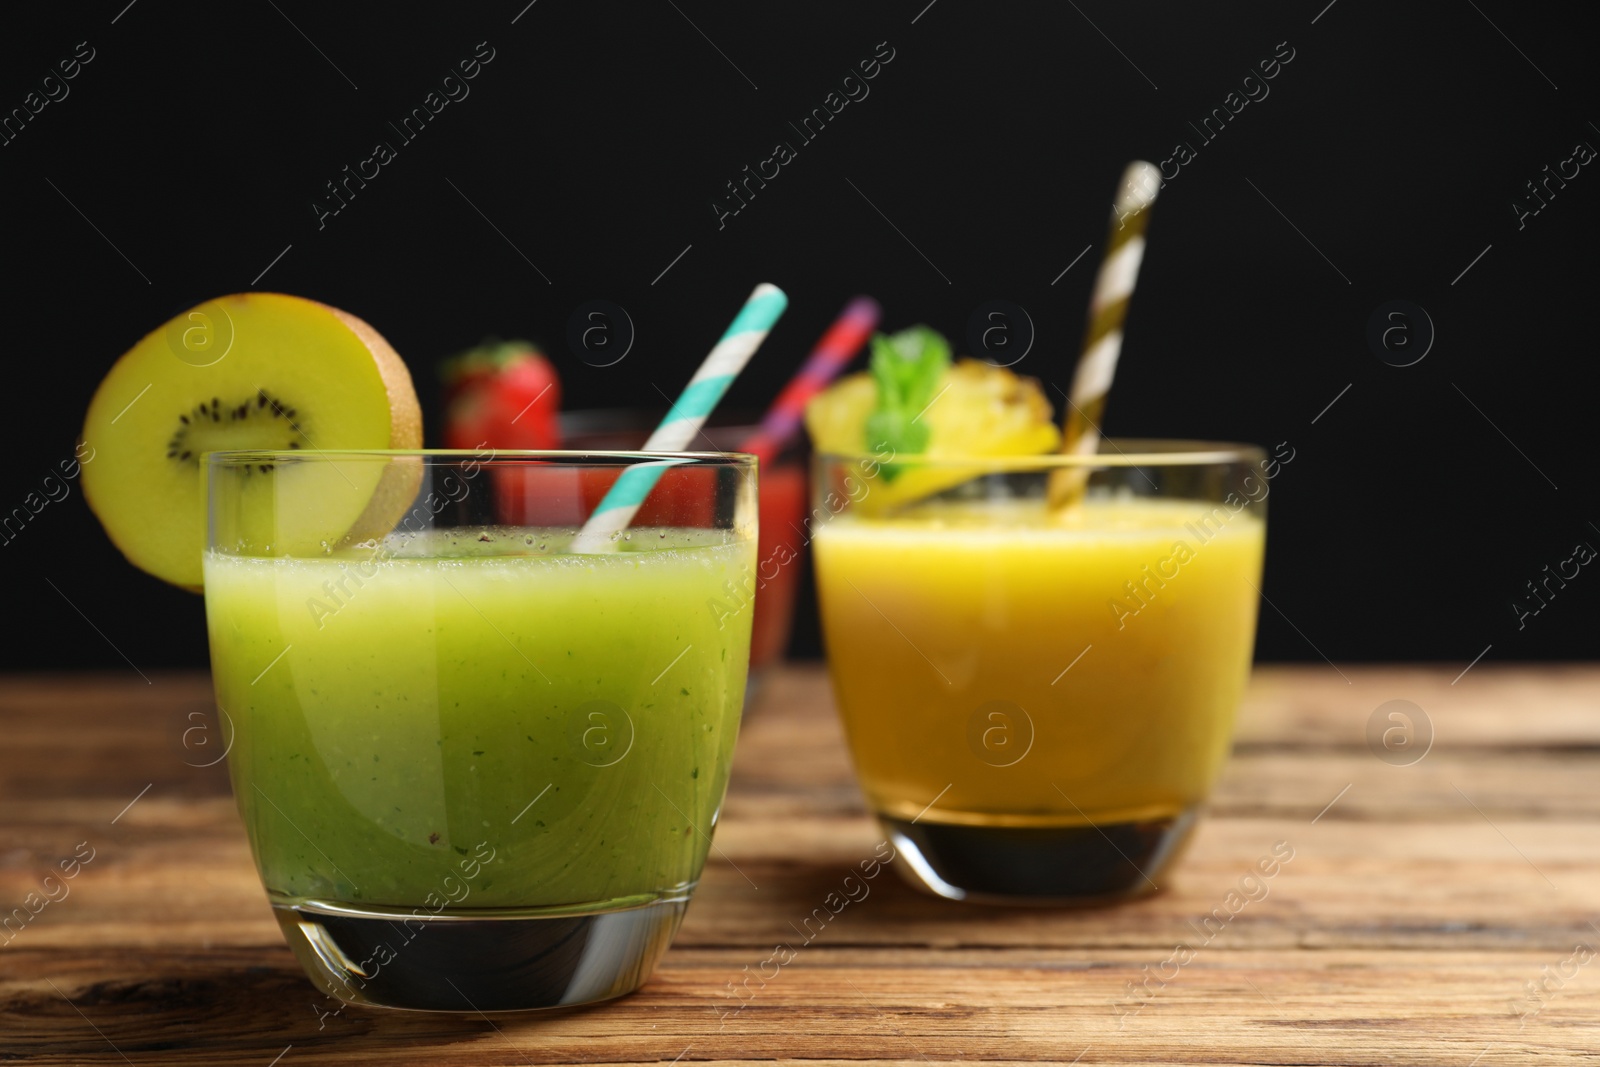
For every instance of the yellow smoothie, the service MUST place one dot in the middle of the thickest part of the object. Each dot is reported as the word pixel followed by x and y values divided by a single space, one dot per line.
pixel 998 664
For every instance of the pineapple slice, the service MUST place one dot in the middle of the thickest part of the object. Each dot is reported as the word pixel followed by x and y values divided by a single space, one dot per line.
pixel 973 410
pixel 988 411
pixel 836 418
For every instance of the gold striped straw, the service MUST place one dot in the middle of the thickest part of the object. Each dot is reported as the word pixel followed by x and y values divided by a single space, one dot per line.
pixel 1102 342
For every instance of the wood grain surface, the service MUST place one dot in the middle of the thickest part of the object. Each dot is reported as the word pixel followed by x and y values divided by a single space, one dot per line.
pixel 1421 905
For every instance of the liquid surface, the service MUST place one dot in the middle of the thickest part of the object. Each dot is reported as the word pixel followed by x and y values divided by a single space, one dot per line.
pixel 996 664
pixel 456 723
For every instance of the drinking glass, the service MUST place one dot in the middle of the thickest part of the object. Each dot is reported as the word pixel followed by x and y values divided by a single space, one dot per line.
pixel 783 527
pixel 478 771
pixel 1038 699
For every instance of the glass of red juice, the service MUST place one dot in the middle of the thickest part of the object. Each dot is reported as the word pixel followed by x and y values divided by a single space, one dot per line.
pixel 782 509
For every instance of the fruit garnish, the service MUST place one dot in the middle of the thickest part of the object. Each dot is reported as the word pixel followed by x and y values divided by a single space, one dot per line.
pixel 503 394
pixel 989 411
pixel 915 402
pixel 248 371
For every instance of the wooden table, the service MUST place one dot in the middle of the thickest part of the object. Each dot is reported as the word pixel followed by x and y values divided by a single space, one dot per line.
pixel 1420 902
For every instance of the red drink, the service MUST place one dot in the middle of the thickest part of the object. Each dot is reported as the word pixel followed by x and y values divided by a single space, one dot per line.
pixel 782 508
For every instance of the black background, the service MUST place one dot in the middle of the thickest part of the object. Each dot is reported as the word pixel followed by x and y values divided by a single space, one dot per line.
pixel 190 149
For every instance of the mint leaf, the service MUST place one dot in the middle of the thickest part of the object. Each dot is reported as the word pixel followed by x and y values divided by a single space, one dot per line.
pixel 896 431
pixel 907 367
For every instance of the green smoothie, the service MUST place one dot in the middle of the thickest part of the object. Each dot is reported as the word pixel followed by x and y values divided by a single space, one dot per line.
pixel 479 719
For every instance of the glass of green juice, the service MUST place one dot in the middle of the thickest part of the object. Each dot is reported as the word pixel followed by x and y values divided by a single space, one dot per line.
pixel 1038 698
pixel 479 771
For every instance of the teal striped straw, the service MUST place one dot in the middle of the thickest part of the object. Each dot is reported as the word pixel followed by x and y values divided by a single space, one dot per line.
pixel 687 414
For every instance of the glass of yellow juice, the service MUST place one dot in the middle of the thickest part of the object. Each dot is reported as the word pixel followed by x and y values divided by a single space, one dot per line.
pixel 479 770
pixel 1038 699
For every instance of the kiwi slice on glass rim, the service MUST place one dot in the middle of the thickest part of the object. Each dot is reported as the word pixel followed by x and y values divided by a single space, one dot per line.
pixel 249 371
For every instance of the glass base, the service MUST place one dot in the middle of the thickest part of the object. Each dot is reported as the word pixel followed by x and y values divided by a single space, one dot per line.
pixel 1039 865
pixel 479 961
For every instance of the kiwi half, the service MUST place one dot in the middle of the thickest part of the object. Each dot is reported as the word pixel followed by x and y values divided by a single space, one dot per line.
pixel 249 371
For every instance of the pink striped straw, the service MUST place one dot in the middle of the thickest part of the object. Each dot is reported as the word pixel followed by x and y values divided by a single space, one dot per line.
pixel 836 349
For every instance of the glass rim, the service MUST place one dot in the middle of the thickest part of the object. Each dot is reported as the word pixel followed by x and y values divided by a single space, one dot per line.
pixel 248 457
pixel 1124 452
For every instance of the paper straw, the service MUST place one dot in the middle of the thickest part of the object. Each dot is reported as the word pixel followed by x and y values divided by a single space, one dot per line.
pixel 1108 308
pixel 687 414
pixel 836 349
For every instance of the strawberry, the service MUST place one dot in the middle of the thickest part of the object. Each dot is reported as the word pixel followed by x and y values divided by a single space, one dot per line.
pixel 503 395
